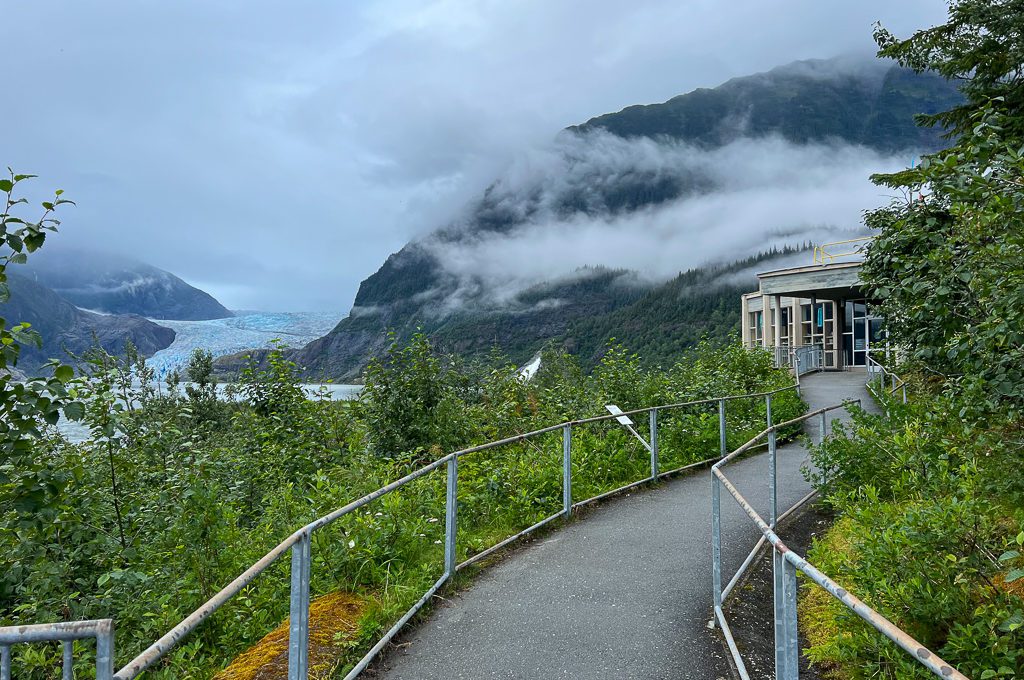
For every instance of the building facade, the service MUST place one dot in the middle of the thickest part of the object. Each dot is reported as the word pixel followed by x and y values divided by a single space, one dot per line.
pixel 822 305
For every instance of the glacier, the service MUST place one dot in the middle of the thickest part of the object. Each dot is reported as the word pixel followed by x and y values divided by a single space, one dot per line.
pixel 246 330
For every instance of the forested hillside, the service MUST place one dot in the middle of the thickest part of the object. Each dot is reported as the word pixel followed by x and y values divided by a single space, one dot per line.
pixel 669 319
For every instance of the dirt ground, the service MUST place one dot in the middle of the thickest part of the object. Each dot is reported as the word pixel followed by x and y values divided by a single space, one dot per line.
pixel 750 610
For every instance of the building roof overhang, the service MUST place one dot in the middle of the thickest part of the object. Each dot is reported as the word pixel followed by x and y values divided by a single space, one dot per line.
pixel 839 281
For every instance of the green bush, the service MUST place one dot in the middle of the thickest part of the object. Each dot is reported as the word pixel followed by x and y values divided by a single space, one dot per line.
pixel 176 492
pixel 931 508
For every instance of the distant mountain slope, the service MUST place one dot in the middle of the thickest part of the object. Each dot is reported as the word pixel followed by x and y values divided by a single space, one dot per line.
pixel 711 176
pixel 666 320
pixel 869 103
pixel 65 328
pixel 119 285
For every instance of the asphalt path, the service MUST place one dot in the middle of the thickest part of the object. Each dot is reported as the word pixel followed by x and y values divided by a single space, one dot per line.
pixel 623 593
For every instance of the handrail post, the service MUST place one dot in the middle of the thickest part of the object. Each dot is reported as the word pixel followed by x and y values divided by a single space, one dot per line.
pixel 768 408
pixel 298 630
pixel 654 443
pixel 773 481
pixel 797 360
pixel 823 424
pixel 451 516
pixel 721 428
pixel 67 665
pixel 904 393
pixel 787 643
pixel 5 662
pixel 716 541
pixel 567 470
pixel 105 652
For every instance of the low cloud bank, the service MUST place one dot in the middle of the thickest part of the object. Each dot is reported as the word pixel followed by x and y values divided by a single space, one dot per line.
pixel 568 206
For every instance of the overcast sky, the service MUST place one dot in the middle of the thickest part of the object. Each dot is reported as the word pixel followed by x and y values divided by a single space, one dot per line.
pixel 274 153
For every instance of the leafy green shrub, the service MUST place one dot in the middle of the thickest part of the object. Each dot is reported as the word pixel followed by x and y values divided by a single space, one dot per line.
pixel 929 506
pixel 177 492
pixel 412 402
pixel 946 258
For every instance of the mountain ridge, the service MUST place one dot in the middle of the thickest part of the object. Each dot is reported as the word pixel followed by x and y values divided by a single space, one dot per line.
pixel 762 94
pixel 114 284
pixel 68 331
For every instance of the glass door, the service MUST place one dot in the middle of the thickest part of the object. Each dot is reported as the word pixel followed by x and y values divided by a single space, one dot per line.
pixel 861 333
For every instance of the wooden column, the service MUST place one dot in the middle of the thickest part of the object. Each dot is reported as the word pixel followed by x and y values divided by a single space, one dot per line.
pixel 745 321
pixel 777 326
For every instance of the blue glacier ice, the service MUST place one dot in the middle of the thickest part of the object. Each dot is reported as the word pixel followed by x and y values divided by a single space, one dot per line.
pixel 248 330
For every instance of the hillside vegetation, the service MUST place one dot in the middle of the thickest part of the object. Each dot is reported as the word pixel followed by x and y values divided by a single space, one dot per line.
pixel 931 498
pixel 174 496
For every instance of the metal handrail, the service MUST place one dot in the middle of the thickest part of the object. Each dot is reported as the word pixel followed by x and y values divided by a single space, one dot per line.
pixel 785 565
pixel 807 358
pixel 66 632
pixel 802 360
pixel 299 542
pixel 821 254
pixel 897 383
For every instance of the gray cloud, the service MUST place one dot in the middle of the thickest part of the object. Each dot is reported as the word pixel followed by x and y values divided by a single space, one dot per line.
pixel 768 192
pixel 276 154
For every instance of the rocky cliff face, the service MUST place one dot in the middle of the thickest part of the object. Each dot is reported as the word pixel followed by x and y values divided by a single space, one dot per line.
pixel 497 275
pixel 119 285
pixel 67 330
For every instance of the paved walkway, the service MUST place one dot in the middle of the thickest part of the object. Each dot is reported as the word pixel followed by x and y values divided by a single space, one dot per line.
pixel 625 593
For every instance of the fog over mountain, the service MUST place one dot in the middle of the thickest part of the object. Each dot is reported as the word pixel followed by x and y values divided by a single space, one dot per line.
pixel 767 160
pixel 114 284
pixel 746 196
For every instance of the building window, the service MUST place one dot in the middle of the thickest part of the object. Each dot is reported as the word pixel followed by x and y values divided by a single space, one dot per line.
pixel 756 328
pixel 818 327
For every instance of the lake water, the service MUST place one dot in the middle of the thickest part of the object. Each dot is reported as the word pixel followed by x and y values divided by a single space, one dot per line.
pixel 245 330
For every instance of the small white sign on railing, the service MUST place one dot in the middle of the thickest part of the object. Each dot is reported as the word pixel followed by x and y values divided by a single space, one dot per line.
pixel 616 411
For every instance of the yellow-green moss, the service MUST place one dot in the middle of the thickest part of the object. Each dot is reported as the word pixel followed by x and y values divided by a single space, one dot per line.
pixel 333 621
pixel 817 611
